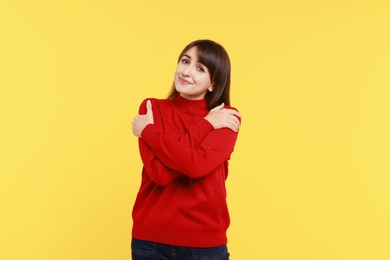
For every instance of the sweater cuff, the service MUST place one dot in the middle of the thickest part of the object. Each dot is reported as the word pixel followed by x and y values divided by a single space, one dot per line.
pixel 147 134
pixel 204 126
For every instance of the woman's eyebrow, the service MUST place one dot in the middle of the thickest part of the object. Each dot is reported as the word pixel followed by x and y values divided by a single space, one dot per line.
pixel 188 56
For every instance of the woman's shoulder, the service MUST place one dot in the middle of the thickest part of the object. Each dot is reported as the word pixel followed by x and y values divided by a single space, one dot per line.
pixel 157 103
pixel 230 107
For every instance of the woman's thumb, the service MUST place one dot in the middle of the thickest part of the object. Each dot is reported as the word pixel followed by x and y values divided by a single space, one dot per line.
pixel 149 107
pixel 219 107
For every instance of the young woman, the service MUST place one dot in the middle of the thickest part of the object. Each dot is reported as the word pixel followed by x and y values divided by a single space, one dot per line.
pixel 185 143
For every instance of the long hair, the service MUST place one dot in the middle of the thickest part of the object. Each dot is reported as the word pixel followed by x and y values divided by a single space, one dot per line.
pixel 215 58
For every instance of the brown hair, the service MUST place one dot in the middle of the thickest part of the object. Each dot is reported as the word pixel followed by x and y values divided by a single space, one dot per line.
pixel 215 58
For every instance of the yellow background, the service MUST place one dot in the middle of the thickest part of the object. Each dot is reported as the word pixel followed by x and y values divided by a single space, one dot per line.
pixel 309 176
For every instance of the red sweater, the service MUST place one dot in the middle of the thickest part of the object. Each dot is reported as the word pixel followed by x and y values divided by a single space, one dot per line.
pixel 182 198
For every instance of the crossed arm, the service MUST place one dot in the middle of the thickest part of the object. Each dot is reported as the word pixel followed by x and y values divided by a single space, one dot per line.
pixel 160 150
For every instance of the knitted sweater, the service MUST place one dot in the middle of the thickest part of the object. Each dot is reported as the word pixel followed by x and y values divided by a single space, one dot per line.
pixel 182 197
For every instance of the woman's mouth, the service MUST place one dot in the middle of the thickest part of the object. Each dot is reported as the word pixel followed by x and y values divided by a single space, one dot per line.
pixel 183 81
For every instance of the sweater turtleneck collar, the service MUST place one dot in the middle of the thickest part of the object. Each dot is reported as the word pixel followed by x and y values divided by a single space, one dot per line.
pixel 191 106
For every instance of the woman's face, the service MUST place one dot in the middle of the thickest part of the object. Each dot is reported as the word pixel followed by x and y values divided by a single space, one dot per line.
pixel 192 79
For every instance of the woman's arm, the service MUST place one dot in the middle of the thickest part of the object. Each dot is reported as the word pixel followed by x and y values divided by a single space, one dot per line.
pixel 157 171
pixel 192 160
pixel 195 162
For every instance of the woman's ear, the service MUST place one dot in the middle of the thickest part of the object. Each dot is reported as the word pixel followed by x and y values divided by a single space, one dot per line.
pixel 211 88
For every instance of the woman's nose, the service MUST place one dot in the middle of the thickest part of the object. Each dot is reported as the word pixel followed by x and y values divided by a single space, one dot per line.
pixel 187 71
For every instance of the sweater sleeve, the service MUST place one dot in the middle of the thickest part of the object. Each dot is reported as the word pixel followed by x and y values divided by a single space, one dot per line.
pixel 193 161
pixel 157 171
pixel 160 173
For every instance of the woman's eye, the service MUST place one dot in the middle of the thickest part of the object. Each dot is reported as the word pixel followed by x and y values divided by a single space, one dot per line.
pixel 201 69
pixel 185 61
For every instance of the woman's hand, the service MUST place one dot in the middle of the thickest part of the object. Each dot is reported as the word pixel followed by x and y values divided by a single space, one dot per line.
pixel 220 117
pixel 141 121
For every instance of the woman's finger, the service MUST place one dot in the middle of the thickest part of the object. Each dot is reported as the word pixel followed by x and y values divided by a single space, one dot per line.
pixel 149 108
pixel 233 112
pixel 229 123
pixel 235 123
pixel 219 107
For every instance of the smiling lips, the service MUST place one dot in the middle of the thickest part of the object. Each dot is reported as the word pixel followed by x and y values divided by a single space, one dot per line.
pixel 184 81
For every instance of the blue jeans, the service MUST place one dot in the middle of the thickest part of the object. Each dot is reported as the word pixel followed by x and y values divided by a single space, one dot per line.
pixel 141 250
